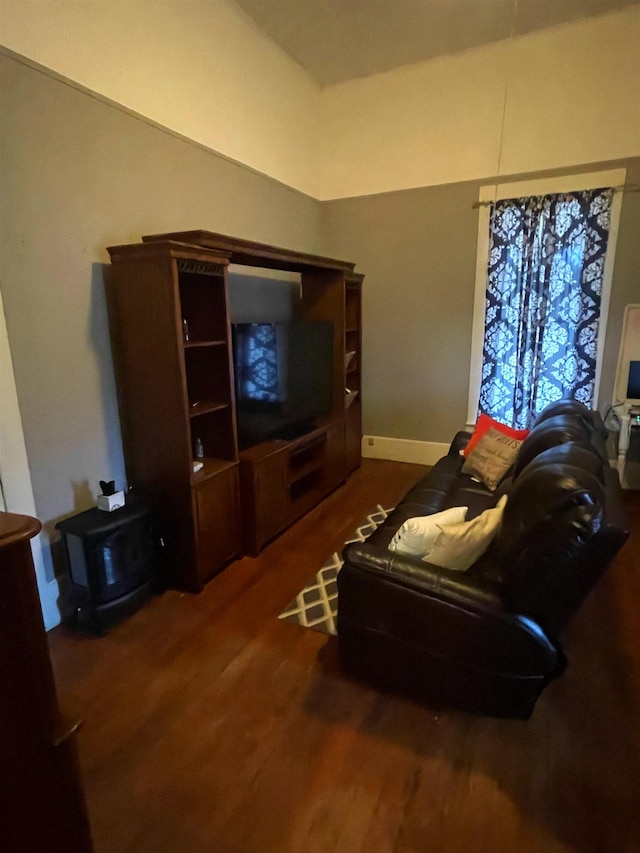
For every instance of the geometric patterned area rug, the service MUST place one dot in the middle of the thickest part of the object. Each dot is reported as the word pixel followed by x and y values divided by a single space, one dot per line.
pixel 316 605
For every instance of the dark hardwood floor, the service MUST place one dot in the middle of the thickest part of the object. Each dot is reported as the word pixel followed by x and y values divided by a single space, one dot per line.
pixel 210 725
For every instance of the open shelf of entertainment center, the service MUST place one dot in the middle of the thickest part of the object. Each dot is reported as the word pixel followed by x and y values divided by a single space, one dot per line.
pixel 174 358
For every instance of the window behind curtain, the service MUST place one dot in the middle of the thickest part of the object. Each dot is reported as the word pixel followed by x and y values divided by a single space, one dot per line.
pixel 543 298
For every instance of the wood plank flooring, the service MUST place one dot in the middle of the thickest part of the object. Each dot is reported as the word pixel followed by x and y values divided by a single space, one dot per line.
pixel 212 727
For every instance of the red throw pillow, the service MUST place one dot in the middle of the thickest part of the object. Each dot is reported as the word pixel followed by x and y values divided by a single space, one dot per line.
pixel 485 423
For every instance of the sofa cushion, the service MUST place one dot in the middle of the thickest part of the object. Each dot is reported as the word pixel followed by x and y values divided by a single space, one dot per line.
pixel 442 487
pixel 417 535
pixel 460 545
pixel 484 424
pixel 559 429
pixel 491 458
pixel 573 454
pixel 562 407
pixel 546 489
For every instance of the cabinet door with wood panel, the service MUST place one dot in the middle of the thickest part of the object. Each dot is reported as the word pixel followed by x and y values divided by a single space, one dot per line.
pixel 217 510
pixel 265 496
pixel 353 370
pixel 333 474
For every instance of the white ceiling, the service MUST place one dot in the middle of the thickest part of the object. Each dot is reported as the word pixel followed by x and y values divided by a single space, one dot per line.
pixel 337 40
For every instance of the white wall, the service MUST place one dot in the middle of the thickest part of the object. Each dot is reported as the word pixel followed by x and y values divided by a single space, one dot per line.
pixel 203 69
pixel 572 97
pixel 433 123
pixel 15 476
pixel 198 67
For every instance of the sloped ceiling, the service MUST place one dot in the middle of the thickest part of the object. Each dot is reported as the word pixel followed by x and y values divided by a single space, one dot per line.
pixel 337 40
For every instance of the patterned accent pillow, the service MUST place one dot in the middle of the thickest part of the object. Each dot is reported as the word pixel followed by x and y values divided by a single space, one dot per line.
pixel 484 424
pixel 491 458
pixel 417 535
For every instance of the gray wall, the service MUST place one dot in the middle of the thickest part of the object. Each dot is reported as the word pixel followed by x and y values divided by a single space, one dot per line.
pixel 417 249
pixel 257 299
pixel 79 175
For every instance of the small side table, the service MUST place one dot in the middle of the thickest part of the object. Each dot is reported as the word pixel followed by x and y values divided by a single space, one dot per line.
pixel 630 420
pixel 114 560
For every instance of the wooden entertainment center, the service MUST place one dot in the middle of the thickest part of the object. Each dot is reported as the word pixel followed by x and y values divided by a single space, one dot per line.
pixel 171 331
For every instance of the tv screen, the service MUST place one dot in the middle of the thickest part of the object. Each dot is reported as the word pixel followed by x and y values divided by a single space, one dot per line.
pixel 633 386
pixel 283 377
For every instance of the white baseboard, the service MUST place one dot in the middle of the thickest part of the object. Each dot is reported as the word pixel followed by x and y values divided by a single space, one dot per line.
pixel 403 450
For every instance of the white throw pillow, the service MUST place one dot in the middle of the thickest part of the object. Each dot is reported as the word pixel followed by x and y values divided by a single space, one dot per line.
pixel 417 535
pixel 460 545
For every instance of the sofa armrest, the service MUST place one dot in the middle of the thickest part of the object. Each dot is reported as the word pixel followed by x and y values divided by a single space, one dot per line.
pixel 452 614
pixel 560 530
pixel 440 637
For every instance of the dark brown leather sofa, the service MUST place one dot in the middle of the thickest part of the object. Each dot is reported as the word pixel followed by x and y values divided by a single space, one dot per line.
pixel 487 640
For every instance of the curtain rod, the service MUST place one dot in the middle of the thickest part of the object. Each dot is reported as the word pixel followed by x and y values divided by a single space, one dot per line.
pixel 630 188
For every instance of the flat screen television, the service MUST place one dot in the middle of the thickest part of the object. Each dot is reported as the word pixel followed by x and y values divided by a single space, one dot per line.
pixel 283 373
pixel 633 385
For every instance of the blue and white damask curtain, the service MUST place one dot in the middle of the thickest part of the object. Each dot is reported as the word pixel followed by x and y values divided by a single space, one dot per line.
pixel 546 265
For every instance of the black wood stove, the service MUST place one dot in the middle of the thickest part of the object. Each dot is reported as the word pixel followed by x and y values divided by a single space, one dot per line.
pixel 114 561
